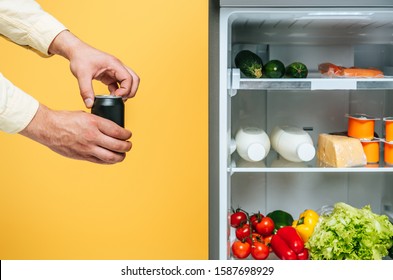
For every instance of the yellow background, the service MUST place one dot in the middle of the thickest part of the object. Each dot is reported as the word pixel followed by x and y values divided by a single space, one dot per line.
pixel 154 205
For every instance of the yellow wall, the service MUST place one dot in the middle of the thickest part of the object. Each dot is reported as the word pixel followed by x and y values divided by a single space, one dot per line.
pixel 154 205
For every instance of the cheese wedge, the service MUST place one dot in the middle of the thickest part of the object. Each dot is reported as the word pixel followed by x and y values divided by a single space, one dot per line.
pixel 340 151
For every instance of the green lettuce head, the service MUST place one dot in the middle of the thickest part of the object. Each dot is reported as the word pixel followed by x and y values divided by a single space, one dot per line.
pixel 349 233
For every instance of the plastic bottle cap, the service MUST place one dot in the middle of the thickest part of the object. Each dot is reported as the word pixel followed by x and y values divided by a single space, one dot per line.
pixel 256 152
pixel 306 152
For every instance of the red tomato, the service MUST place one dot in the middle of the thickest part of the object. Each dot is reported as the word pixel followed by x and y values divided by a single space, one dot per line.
pixel 267 240
pixel 259 251
pixel 241 250
pixel 254 237
pixel 255 219
pixel 238 218
pixel 265 227
pixel 243 232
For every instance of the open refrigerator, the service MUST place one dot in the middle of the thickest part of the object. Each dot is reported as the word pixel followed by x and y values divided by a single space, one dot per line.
pixel 351 33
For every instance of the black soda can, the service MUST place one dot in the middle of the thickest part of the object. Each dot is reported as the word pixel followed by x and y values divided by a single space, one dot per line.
pixel 109 107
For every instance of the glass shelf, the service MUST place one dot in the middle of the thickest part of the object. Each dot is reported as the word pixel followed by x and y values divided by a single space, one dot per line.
pixel 275 164
pixel 315 81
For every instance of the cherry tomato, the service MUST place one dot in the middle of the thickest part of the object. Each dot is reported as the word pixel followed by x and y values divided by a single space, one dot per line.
pixel 254 237
pixel 267 240
pixel 259 251
pixel 255 219
pixel 265 227
pixel 241 250
pixel 238 218
pixel 243 232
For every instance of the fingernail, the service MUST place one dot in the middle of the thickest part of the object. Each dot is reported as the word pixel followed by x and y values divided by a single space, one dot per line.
pixel 88 102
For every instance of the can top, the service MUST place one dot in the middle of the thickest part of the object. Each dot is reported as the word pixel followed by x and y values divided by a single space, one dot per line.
pixel 107 100
pixel 108 96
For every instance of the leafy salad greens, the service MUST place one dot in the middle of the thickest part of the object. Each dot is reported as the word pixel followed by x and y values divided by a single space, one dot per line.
pixel 349 233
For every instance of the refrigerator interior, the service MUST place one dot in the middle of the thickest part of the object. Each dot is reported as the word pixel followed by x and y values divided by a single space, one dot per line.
pixel 361 37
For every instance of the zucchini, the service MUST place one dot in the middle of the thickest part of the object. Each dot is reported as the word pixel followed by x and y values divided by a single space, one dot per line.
pixel 296 70
pixel 274 69
pixel 249 63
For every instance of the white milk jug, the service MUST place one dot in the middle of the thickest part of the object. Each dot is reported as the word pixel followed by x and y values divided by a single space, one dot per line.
pixel 292 143
pixel 252 143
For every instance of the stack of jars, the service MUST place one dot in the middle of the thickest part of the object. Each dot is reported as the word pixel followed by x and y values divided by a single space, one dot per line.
pixel 362 126
pixel 388 141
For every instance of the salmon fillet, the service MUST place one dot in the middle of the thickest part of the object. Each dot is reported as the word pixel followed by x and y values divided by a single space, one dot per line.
pixel 333 70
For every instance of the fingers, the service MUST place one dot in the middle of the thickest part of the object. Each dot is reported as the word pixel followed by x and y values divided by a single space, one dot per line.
pixel 128 83
pixel 104 160
pixel 86 90
pixel 113 137
pixel 121 80
pixel 110 143
pixel 135 82
pixel 113 130
pixel 103 156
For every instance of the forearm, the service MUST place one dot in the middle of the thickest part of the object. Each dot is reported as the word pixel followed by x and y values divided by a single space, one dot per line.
pixel 65 44
pixel 37 128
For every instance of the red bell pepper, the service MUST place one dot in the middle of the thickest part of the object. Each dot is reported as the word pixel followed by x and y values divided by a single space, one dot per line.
pixel 288 245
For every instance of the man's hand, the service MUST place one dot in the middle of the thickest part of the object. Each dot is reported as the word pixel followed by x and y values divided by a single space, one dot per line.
pixel 88 63
pixel 79 135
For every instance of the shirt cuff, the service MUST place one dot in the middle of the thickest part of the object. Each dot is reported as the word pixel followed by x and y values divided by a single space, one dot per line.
pixel 17 108
pixel 44 32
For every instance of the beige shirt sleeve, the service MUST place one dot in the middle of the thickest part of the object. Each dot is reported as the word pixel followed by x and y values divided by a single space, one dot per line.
pixel 17 108
pixel 25 23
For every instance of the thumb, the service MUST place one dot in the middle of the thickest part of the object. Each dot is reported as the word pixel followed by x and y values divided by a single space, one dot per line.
pixel 86 90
